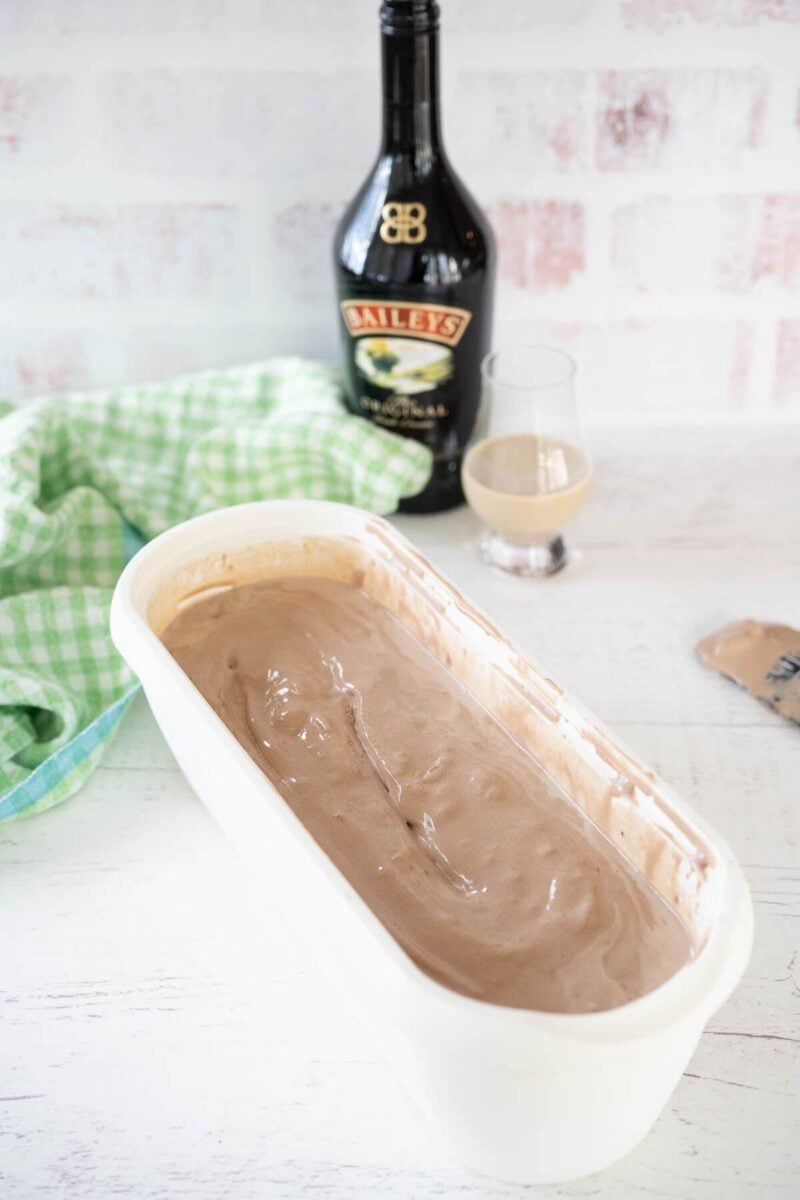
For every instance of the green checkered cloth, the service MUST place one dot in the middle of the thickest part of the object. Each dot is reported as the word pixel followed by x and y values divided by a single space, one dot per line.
pixel 86 477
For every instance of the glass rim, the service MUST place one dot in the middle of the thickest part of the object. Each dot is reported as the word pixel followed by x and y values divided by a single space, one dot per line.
pixel 568 361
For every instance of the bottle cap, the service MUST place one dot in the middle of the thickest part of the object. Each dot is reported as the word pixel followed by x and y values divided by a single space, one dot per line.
pixel 409 16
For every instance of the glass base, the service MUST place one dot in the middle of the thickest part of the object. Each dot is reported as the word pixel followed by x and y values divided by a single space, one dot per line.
pixel 535 561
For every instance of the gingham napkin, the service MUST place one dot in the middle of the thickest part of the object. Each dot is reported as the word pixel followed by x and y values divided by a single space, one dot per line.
pixel 84 478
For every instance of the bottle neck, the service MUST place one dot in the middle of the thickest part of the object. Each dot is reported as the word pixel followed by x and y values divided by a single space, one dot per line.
pixel 410 57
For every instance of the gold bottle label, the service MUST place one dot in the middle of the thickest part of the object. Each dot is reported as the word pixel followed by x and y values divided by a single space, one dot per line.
pixel 399 318
pixel 404 360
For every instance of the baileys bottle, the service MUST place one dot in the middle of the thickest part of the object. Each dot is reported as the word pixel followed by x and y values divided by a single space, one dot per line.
pixel 414 260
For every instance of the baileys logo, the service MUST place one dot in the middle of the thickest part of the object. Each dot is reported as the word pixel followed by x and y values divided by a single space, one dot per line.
pixel 427 322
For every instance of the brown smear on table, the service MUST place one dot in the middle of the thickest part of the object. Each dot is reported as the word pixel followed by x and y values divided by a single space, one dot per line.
pixel 477 863
pixel 764 659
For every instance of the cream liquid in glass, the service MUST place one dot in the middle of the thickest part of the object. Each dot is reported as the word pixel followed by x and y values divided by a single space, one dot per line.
pixel 526 486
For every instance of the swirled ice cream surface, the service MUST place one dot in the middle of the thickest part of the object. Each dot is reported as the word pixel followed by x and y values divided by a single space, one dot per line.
pixel 492 881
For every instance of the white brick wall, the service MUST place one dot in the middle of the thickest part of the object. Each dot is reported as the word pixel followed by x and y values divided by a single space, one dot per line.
pixel 171 172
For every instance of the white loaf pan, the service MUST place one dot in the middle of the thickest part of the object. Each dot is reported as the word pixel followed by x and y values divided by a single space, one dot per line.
pixel 527 1096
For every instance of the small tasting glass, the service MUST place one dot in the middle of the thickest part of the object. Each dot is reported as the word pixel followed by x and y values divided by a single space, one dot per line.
pixel 530 474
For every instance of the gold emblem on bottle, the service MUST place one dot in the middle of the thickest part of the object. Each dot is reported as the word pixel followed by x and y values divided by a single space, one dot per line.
pixel 404 223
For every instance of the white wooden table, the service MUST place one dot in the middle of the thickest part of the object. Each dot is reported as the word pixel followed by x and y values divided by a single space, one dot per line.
pixel 163 1037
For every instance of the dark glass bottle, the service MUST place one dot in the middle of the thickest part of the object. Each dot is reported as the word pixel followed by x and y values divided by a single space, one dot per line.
pixel 414 260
